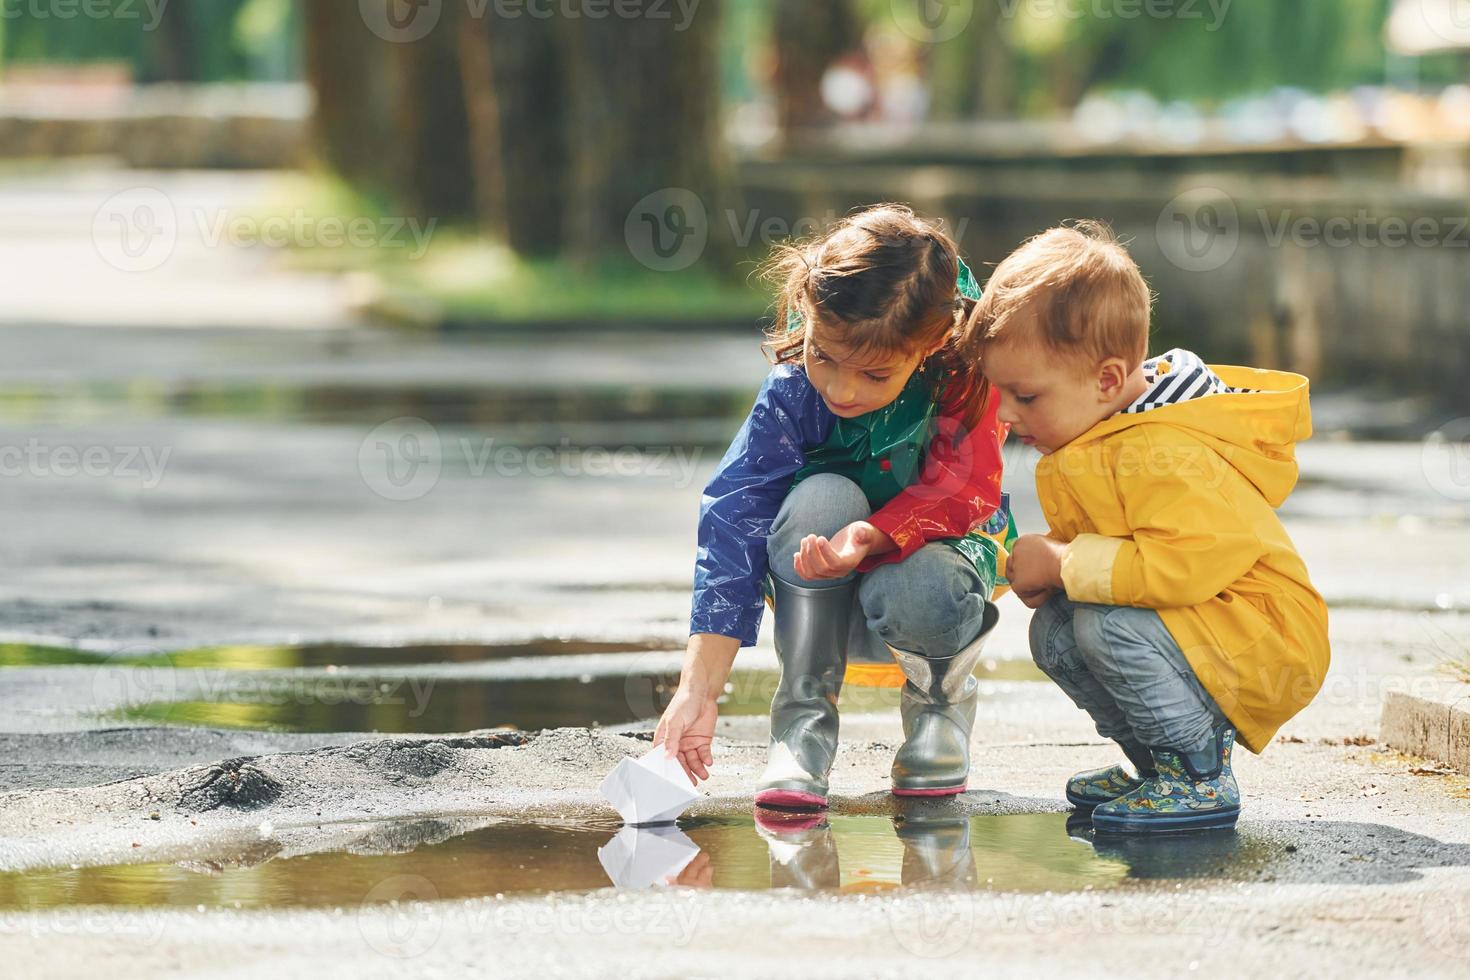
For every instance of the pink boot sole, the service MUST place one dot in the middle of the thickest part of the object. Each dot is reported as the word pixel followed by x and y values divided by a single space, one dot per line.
pixel 790 798
pixel 943 791
pixel 787 821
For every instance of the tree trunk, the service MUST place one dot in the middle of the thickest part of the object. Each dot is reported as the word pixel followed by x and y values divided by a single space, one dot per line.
pixel 514 102
pixel 807 38
pixel 973 75
pixel 643 97
pixel 347 67
pixel 175 47
pixel 436 178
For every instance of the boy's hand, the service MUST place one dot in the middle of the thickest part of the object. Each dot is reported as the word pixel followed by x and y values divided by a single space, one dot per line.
pixel 820 558
pixel 1035 568
pixel 1036 599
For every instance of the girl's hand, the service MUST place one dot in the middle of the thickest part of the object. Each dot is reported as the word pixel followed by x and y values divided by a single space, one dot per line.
pixel 820 558
pixel 688 728
pixel 1035 568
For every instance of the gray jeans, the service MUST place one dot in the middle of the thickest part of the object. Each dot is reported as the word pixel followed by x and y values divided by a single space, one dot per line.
pixel 932 603
pixel 1121 665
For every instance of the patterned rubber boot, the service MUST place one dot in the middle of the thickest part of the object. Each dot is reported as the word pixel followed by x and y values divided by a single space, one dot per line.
pixel 1097 786
pixel 937 705
pixel 811 643
pixel 1192 791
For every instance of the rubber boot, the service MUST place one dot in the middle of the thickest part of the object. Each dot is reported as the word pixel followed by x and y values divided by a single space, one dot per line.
pixel 811 643
pixel 1096 786
pixel 1192 791
pixel 936 851
pixel 803 851
pixel 938 710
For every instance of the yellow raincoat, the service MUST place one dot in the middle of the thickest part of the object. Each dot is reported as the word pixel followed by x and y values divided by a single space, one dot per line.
pixel 1174 509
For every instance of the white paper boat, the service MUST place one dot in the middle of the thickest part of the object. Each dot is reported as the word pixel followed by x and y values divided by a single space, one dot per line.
pixel 650 789
pixel 640 857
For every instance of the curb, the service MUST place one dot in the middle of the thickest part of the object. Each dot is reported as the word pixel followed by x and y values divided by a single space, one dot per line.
pixel 377 303
pixel 1432 723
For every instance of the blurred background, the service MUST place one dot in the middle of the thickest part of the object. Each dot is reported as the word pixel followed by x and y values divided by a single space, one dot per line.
pixel 1294 176
pixel 401 322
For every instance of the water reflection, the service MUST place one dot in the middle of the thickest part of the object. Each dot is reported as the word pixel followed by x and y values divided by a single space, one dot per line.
pixel 921 849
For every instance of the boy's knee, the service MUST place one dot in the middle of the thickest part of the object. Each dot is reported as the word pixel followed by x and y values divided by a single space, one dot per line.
pixel 1052 648
pixel 1110 634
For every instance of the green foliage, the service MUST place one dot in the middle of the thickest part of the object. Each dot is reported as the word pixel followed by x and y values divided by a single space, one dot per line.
pixel 1260 44
pixel 1058 50
pixel 224 39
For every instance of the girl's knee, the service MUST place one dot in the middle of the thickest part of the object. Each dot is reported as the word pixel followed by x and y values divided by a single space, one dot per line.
pixel 821 504
pixel 918 604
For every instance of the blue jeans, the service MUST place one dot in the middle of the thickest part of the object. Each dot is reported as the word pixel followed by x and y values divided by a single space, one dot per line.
pixel 1121 665
pixel 932 603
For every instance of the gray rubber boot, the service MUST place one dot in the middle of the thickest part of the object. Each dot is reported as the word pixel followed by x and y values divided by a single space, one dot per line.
pixel 811 643
pixel 936 852
pixel 938 710
pixel 803 852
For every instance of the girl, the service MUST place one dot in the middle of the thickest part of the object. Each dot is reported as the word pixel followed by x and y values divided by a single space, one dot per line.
pixel 852 501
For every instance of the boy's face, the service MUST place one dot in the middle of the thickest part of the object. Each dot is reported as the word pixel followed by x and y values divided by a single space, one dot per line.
pixel 1049 399
pixel 852 385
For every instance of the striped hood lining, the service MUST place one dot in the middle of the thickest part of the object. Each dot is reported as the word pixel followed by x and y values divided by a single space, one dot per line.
pixel 1178 376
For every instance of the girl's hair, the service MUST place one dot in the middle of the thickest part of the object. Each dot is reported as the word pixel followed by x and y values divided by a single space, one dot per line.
pixel 881 283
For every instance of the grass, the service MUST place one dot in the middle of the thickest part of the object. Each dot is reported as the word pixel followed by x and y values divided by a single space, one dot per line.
pixel 442 272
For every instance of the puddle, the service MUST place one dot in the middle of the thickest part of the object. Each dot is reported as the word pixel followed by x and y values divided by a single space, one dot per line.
pixel 363 403
pixel 429 688
pixel 322 701
pixel 841 854
pixel 285 657
pixel 343 703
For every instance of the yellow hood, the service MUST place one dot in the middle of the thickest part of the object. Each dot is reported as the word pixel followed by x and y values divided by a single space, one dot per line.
pixel 1256 431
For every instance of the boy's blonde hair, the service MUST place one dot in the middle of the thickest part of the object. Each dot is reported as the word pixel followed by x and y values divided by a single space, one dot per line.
pixel 1075 290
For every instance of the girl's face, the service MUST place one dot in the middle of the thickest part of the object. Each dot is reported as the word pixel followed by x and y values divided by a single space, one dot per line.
pixel 851 385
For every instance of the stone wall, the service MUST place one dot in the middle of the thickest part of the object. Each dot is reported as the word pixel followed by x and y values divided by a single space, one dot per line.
pixel 160 126
pixel 1351 264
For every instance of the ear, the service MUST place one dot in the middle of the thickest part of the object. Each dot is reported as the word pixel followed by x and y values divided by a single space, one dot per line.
pixel 1112 376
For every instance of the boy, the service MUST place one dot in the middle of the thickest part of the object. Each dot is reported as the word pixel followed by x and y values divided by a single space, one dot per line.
pixel 1170 603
